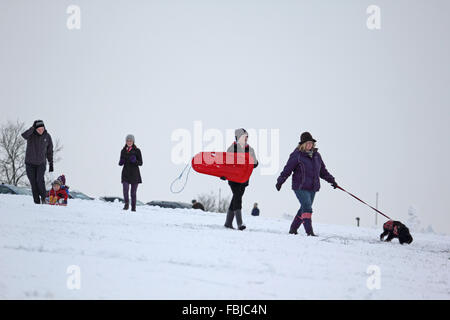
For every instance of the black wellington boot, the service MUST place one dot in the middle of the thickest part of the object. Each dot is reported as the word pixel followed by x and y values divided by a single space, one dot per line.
pixel 229 219
pixel 240 224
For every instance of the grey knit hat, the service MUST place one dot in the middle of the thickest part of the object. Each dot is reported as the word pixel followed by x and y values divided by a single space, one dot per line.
pixel 239 133
pixel 129 137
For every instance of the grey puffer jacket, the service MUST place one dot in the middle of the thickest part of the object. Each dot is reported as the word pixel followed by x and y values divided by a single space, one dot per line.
pixel 39 147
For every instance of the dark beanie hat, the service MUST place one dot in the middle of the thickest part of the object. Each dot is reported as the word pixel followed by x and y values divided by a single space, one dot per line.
pixel 62 179
pixel 38 124
pixel 305 137
pixel 239 133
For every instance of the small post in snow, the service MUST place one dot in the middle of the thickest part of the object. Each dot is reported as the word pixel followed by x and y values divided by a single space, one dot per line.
pixel 357 221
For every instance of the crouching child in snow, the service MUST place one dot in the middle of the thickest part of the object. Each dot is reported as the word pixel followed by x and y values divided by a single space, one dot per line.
pixel 57 195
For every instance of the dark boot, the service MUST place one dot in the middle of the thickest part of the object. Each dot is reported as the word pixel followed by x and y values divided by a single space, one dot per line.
pixel 133 208
pixel 296 223
pixel 238 214
pixel 126 206
pixel 308 227
pixel 229 219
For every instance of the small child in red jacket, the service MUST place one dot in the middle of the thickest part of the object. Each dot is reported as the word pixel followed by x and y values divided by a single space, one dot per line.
pixel 57 196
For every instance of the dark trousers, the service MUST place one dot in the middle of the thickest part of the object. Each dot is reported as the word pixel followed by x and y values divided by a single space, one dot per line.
pixel 126 188
pixel 35 174
pixel 238 190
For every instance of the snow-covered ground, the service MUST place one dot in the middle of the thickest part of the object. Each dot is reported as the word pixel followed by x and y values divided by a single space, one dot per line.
pixel 187 254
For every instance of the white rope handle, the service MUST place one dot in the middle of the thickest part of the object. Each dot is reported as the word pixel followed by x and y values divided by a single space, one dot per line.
pixel 179 178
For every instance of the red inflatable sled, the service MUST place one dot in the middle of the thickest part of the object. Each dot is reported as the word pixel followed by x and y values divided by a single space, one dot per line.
pixel 236 167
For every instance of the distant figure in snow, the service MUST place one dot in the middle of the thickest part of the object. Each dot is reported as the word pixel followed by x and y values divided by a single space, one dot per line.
pixel 307 166
pixel 39 150
pixel 57 195
pixel 255 210
pixel 238 189
pixel 197 205
pixel 130 159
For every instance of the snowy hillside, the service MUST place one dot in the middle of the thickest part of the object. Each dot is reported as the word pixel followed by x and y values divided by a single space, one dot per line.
pixel 187 254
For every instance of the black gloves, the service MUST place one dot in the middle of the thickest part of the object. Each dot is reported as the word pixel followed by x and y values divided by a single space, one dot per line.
pixel 223 178
pixel 334 185
pixel 278 186
pixel 50 167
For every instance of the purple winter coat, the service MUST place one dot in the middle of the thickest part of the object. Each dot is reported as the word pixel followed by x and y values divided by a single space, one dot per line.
pixel 307 171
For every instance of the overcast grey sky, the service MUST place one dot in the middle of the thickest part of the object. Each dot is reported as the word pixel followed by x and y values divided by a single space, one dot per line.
pixel 377 101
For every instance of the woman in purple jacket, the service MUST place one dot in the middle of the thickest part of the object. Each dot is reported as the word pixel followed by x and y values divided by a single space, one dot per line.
pixel 307 167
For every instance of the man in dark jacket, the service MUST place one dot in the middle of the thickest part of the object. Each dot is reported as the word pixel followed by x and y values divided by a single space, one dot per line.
pixel 39 150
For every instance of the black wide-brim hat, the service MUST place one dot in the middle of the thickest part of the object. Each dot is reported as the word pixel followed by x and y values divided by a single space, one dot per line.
pixel 305 137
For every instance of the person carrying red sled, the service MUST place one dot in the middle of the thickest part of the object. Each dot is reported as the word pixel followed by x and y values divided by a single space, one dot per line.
pixel 307 166
pixel 57 195
pixel 235 209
